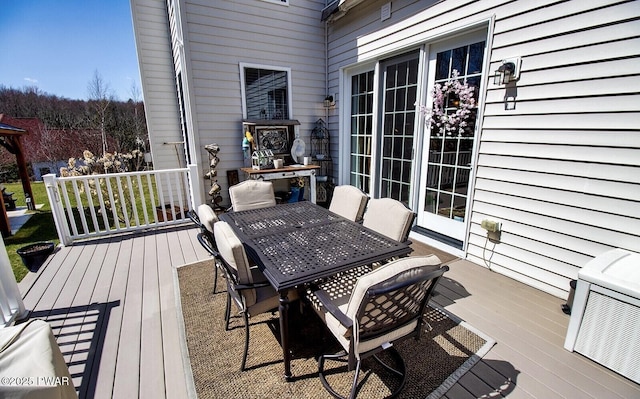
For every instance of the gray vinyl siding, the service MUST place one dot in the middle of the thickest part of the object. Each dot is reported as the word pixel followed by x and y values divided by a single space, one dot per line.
pixel 220 35
pixel 561 171
pixel 151 30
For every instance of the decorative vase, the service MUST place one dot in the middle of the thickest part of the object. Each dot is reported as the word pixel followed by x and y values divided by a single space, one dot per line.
pixel 297 194
pixel 34 255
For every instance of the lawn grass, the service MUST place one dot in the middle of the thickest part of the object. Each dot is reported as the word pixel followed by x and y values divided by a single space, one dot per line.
pixel 40 227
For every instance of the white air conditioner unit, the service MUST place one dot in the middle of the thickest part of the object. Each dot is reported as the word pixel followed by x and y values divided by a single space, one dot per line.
pixel 605 316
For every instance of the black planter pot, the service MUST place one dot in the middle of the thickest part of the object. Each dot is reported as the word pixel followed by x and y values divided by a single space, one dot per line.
pixel 34 255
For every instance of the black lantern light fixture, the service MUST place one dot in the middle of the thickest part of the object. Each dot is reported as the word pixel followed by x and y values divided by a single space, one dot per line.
pixel 507 72
pixel 329 102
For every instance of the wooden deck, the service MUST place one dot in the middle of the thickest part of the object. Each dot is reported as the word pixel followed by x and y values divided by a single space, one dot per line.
pixel 113 308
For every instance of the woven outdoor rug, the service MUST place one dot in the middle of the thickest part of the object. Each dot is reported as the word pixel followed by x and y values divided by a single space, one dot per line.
pixel 434 363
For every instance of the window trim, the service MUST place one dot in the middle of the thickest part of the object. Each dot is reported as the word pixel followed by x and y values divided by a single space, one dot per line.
pixel 280 2
pixel 243 66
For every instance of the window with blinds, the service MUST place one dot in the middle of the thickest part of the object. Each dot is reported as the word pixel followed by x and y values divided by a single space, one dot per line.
pixel 266 93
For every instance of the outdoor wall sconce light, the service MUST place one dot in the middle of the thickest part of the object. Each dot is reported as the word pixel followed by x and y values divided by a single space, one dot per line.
pixel 507 72
pixel 329 102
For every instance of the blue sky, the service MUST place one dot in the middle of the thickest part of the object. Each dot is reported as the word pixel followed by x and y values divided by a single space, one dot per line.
pixel 57 45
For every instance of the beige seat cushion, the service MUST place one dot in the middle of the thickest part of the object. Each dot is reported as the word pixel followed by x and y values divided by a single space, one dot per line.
pixel 233 253
pixel 350 307
pixel 257 300
pixel 252 194
pixel 389 217
pixel 348 202
pixel 207 217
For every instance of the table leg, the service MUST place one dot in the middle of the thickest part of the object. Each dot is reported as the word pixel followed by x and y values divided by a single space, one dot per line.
pixel 312 184
pixel 283 309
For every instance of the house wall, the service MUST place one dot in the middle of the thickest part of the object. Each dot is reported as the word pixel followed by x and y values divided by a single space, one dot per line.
pixel 561 171
pixel 217 37
pixel 40 169
pixel 151 29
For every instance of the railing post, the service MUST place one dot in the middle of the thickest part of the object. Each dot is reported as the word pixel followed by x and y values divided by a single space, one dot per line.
pixel 56 209
pixel 195 188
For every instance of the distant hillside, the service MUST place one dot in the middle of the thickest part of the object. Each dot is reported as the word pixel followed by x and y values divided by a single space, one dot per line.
pixel 125 124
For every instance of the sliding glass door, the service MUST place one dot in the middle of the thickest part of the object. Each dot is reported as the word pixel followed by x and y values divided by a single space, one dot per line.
pixel 450 134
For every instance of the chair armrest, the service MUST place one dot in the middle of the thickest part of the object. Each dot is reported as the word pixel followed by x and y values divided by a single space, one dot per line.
pixel 324 299
pixel 207 245
pixel 191 214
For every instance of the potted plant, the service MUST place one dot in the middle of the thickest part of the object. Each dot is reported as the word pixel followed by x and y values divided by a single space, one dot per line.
pixel 297 189
pixel 34 255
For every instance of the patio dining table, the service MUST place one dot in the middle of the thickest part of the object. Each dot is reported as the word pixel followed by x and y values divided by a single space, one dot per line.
pixel 298 243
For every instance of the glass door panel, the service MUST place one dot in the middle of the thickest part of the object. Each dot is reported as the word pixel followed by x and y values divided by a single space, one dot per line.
pixel 361 130
pixel 449 146
pixel 400 89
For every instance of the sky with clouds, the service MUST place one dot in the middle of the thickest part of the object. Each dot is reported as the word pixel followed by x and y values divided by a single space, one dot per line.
pixel 58 45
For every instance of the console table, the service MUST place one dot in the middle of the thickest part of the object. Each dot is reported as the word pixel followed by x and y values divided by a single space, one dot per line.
pixel 287 172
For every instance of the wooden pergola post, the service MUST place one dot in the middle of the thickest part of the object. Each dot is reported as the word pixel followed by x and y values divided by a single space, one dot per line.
pixel 11 141
pixel 23 172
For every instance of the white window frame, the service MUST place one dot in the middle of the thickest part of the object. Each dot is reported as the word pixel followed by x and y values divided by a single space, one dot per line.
pixel 244 65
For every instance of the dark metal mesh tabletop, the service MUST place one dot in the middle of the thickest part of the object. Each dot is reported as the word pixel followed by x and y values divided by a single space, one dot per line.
pixel 258 222
pixel 300 242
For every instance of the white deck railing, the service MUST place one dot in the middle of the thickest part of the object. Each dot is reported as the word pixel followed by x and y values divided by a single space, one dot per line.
pixel 96 205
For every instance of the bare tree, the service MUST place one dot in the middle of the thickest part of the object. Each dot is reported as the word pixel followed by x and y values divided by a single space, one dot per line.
pixel 139 127
pixel 100 97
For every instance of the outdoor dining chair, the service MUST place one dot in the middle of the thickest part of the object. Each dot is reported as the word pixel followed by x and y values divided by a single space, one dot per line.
pixel 389 217
pixel 348 202
pixel 383 307
pixel 246 286
pixel 252 194
pixel 205 219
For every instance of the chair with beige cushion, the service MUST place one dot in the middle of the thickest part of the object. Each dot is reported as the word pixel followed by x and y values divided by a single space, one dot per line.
pixel 383 307
pixel 205 218
pixel 389 217
pixel 348 202
pixel 252 194
pixel 246 285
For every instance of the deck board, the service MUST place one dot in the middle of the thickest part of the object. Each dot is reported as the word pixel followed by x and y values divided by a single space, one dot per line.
pixel 171 338
pixel 151 348
pixel 104 369
pixel 112 305
pixel 85 322
pixel 127 377
pixel 526 337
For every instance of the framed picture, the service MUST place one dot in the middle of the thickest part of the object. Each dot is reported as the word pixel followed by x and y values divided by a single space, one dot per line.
pixel 232 177
pixel 274 138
